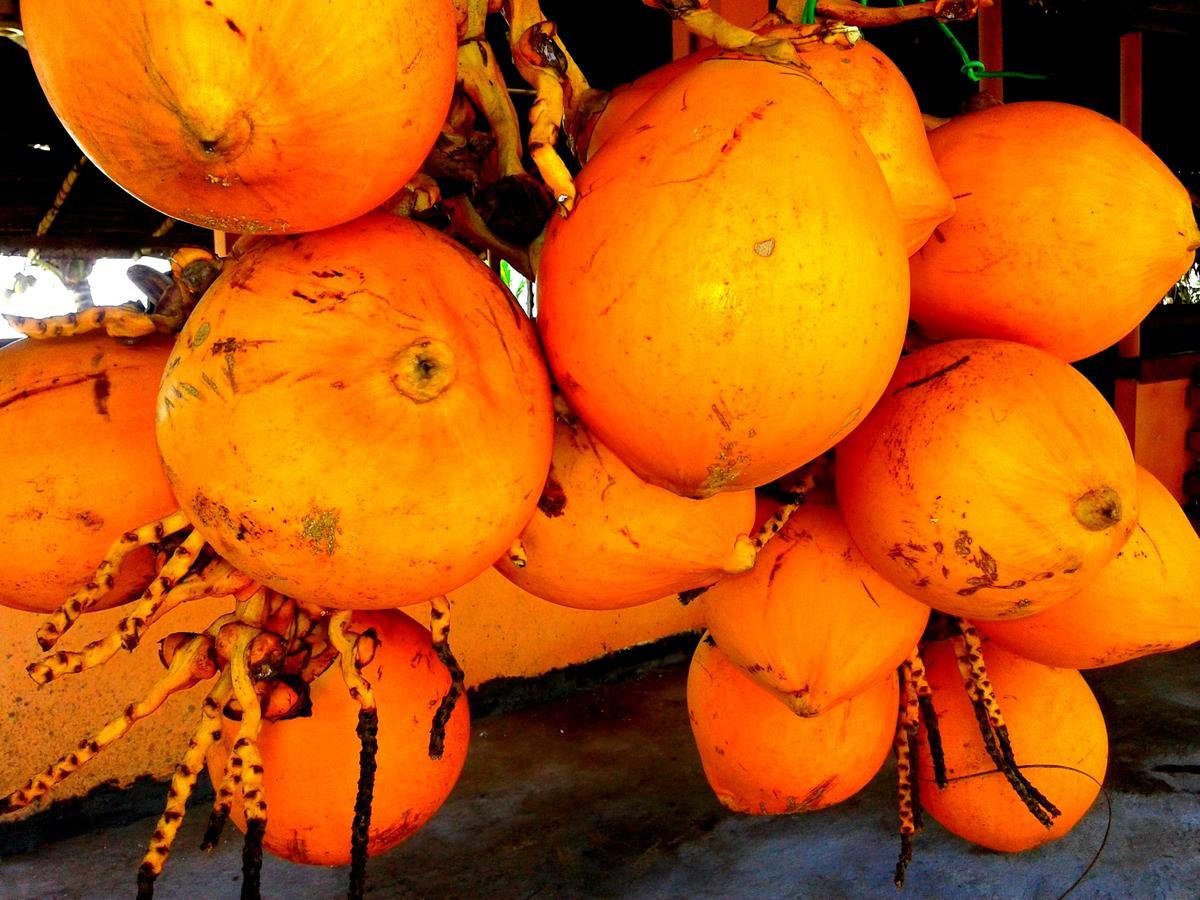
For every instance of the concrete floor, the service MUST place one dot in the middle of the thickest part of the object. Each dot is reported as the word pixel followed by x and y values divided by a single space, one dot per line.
pixel 600 794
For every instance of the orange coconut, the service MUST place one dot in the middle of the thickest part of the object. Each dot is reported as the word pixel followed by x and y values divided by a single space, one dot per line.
pixel 1147 600
pixel 992 481
pixel 77 438
pixel 1058 739
pixel 761 759
pixel 222 114
pixel 604 539
pixel 310 764
pixel 812 620
pixel 329 419
pixel 876 97
pixel 1068 230
pixel 714 310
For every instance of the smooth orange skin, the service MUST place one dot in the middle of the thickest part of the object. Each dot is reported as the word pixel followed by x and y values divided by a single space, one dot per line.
pixel 604 539
pixel 287 434
pixel 77 439
pixel 311 764
pixel 1053 720
pixel 1147 600
pixel 960 487
pixel 760 758
pixel 878 101
pixel 812 620
pixel 301 135
pixel 1050 196
pixel 726 301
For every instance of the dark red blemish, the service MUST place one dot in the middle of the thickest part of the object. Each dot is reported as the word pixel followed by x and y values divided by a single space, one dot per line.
pixel 101 389
pixel 554 499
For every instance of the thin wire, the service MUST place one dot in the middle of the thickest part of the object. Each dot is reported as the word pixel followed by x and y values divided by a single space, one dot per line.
pixel 1107 802
pixel 973 68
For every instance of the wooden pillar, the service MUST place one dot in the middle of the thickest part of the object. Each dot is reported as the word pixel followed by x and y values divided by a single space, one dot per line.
pixel 991 48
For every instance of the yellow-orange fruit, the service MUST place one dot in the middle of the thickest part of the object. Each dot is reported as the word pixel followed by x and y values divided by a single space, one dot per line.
pixel 604 539
pixel 812 620
pixel 877 100
pixel 716 310
pixel 329 419
pixel 1058 739
pixel 760 758
pixel 310 765
pixel 992 481
pixel 223 114
pixel 1050 196
pixel 1147 600
pixel 77 439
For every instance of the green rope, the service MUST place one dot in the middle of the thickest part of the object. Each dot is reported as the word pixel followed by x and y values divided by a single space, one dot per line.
pixel 973 68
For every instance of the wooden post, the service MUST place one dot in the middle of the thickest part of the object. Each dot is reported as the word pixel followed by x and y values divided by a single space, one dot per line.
pixel 991 48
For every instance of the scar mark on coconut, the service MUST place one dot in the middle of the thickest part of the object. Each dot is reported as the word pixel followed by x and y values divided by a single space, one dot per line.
pixel 233 26
pixel 320 528
pixel 235 345
pixel 721 418
pixel 903 553
pixel 739 130
pixel 962 544
pixel 201 335
pixel 868 590
pixel 628 535
pixel 553 500
pixel 91 520
pixel 211 385
pixel 765 248
pixel 101 389
pixel 775 569
pixel 725 470
pixel 933 376
pixel 212 514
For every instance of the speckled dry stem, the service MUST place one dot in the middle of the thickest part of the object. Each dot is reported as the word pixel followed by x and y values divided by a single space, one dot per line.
pixel 920 681
pixel 355 651
pixel 183 781
pixel 102 581
pixel 968 652
pixel 560 89
pixel 904 745
pixel 154 602
pixel 439 622
pixel 189 666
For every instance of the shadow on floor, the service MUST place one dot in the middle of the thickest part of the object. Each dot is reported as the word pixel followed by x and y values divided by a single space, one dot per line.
pixel 600 794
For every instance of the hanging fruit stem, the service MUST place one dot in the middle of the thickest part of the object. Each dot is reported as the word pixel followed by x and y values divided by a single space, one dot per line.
pixel 968 651
pixel 182 784
pixel 904 744
pixel 356 651
pixel 439 626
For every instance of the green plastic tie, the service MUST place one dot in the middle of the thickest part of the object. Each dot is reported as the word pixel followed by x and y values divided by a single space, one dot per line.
pixel 973 68
pixel 810 13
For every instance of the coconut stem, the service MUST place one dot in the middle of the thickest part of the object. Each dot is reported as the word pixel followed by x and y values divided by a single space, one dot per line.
pixel 439 617
pixel 368 736
pixel 968 650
